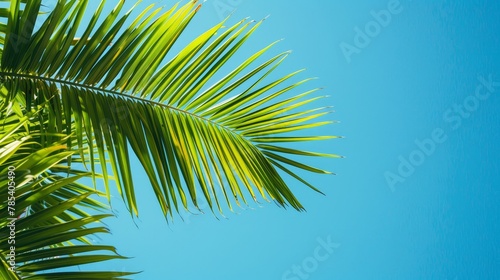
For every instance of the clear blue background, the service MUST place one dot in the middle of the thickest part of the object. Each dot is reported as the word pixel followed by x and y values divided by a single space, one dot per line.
pixel 442 222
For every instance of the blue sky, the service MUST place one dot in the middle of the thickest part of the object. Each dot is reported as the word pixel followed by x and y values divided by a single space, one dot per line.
pixel 415 85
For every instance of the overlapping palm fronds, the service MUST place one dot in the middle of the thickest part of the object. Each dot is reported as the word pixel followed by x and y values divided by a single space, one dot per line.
pixel 46 216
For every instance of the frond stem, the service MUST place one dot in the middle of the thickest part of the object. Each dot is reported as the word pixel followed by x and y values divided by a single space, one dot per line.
pixel 108 91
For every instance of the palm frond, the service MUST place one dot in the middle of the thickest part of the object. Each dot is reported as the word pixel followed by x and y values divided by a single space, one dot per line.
pixel 45 217
pixel 197 136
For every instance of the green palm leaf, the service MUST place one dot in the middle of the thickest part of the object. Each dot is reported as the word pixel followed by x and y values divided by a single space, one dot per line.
pixel 118 87
pixel 46 227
